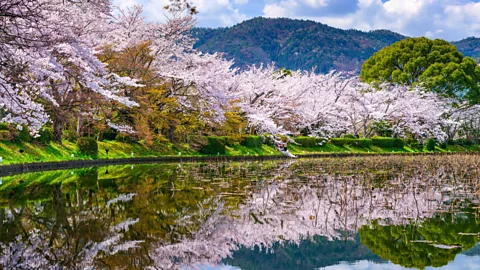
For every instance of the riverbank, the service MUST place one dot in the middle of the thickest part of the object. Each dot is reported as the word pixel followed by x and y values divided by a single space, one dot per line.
pixel 14 169
pixel 26 153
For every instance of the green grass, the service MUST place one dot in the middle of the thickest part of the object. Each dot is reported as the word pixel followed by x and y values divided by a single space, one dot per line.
pixel 14 153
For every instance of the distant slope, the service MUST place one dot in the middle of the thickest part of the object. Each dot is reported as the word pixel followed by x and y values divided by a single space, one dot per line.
pixel 299 44
pixel 294 44
pixel 469 47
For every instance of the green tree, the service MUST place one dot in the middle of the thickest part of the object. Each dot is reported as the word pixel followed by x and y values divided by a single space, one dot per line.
pixel 435 64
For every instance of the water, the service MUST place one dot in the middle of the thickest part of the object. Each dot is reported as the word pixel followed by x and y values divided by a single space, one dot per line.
pixel 350 213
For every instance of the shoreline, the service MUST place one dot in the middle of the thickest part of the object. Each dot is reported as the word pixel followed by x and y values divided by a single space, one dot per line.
pixel 21 168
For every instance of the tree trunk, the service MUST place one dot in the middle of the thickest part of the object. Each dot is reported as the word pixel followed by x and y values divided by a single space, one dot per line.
pixel 171 133
pixel 61 221
pixel 57 129
pixel 78 124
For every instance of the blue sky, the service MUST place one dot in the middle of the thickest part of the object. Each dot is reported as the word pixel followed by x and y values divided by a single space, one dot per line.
pixel 448 19
pixel 461 262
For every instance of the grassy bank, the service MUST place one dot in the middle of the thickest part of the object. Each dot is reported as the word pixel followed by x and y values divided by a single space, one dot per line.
pixel 14 153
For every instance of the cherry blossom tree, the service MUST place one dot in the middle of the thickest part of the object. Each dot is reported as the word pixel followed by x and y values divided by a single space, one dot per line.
pixel 464 121
pixel 335 103
pixel 200 83
pixel 48 48
pixel 271 101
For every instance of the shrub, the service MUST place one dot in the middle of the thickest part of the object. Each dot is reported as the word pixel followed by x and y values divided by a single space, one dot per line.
pixel 46 136
pixel 353 142
pixel 21 135
pixel 431 144
pixel 4 135
pixel 349 136
pixel 197 142
pixel 252 141
pixel 69 135
pixel 385 142
pixel 123 138
pixel 443 145
pixel 109 135
pixel 4 126
pixel 87 146
pixel 215 145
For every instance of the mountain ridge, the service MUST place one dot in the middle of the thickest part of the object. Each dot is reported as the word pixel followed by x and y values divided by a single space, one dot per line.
pixel 302 44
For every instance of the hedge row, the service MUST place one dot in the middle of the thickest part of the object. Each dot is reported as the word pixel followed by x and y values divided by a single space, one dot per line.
pixel 215 146
pixel 252 141
pixel 385 142
pixel 309 141
pixel 353 142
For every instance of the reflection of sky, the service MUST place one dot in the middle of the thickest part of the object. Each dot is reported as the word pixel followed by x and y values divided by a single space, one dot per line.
pixel 209 267
pixel 461 262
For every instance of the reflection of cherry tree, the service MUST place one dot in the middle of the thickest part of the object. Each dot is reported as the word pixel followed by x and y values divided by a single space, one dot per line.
pixel 190 214
pixel 58 242
pixel 290 211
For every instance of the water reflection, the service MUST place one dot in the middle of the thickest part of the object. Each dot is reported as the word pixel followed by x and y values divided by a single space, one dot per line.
pixel 410 212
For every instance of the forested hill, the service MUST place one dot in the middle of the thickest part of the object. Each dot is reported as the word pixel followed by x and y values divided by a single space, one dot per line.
pixel 294 44
pixel 469 47
pixel 299 44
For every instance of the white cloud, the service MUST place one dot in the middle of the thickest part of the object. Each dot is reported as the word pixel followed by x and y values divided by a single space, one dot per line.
pixel 447 19
pixel 316 3
pixel 232 18
pixel 456 19
pixel 275 11
pixel 284 8
pixel 405 7
pixel 341 22
pixel 461 262
pixel 365 3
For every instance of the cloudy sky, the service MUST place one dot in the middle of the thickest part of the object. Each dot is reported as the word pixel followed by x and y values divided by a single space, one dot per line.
pixel 448 19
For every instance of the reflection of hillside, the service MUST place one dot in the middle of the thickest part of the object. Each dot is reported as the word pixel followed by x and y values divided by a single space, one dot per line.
pixel 475 251
pixel 308 254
